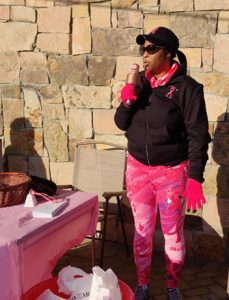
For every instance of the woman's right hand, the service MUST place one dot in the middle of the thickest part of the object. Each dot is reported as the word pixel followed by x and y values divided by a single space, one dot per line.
pixel 128 94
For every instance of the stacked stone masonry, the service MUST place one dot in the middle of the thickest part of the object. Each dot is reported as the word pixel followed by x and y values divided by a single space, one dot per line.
pixel 64 62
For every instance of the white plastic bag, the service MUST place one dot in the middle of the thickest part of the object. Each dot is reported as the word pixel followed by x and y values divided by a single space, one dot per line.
pixel 104 285
pixel 101 285
pixel 67 278
pixel 82 288
pixel 30 200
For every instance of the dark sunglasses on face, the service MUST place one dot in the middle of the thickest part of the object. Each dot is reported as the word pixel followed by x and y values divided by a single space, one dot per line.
pixel 151 49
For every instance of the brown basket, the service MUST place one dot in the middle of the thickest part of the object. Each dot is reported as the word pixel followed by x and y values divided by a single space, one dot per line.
pixel 13 188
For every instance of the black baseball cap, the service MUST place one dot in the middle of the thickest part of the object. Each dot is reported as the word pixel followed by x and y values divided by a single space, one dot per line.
pixel 161 36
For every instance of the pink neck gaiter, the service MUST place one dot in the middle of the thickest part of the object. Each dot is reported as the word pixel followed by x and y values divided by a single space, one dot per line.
pixel 154 82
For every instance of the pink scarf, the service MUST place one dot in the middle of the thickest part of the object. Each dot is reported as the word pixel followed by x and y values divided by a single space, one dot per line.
pixel 154 82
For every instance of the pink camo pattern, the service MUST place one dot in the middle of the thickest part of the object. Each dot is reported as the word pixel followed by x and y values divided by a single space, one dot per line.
pixel 148 188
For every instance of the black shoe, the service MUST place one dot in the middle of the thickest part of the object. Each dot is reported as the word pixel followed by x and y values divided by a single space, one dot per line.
pixel 141 292
pixel 174 294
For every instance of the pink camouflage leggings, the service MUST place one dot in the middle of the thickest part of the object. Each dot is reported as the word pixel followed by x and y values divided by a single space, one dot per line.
pixel 147 188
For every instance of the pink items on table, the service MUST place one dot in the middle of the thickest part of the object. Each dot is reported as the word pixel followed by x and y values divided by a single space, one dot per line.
pixel 30 247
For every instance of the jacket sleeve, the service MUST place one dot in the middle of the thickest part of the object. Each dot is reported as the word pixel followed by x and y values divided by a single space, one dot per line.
pixel 123 116
pixel 196 121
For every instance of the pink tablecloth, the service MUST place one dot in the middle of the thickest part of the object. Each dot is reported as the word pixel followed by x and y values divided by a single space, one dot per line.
pixel 30 247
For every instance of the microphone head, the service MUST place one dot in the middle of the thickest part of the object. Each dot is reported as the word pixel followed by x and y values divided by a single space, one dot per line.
pixel 134 68
pixel 133 76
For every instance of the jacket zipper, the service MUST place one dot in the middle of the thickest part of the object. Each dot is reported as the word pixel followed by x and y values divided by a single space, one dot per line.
pixel 147 136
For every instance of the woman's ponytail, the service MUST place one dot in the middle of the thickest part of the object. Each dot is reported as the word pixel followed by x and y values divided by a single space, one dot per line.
pixel 182 58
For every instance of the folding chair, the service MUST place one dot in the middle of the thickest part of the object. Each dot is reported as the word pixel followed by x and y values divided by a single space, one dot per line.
pixel 100 167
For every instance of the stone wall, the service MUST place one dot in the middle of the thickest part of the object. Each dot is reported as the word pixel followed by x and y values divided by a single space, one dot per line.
pixel 63 63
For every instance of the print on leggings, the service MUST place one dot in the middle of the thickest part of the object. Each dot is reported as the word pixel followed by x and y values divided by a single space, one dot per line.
pixel 149 188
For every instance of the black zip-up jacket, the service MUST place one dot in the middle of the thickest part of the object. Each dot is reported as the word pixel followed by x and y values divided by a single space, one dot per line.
pixel 168 124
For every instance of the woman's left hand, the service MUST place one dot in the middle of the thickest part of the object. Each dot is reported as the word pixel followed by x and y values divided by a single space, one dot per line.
pixel 194 194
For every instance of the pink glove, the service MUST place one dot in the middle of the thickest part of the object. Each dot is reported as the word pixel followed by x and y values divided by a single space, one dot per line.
pixel 128 92
pixel 194 194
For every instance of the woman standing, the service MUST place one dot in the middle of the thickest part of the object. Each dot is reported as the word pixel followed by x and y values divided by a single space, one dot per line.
pixel 167 130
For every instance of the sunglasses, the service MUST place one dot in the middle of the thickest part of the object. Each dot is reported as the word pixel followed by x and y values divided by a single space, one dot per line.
pixel 151 49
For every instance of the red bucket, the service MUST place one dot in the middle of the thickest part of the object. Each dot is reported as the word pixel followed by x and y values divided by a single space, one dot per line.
pixel 38 289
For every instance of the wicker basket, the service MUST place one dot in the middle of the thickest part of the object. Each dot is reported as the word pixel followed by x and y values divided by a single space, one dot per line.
pixel 13 188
